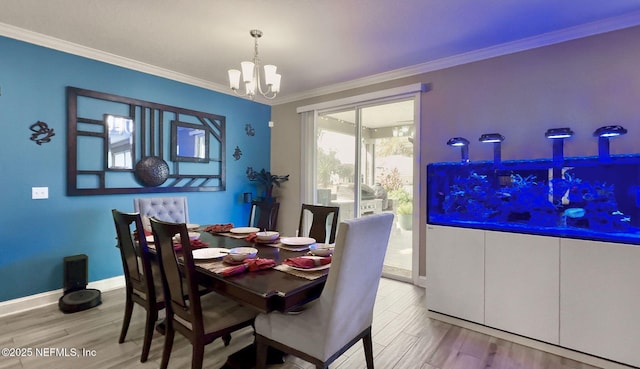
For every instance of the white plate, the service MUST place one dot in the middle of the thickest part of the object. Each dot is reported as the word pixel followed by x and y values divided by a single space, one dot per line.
pixel 244 230
pixel 209 253
pixel 297 241
pixel 150 239
pixel 192 226
pixel 321 267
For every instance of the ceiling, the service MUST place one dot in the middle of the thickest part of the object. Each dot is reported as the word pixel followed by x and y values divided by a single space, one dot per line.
pixel 319 46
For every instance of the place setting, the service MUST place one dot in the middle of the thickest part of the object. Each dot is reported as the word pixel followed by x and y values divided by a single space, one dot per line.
pixel 311 266
pixel 238 260
pixel 286 243
pixel 240 232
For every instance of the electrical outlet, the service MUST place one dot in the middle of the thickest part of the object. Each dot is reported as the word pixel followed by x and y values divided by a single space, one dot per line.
pixel 38 193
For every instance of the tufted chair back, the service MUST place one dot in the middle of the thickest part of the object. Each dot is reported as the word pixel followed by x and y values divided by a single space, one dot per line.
pixel 169 209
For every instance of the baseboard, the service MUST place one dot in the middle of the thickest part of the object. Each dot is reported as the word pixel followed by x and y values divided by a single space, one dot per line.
pixel 26 303
pixel 538 345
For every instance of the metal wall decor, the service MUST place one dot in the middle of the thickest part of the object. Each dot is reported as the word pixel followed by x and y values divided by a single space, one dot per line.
pixel 237 154
pixel 123 145
pixel 249 130
pixel 41 132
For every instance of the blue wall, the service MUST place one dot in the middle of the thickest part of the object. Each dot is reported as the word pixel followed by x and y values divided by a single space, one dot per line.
pixel 37 234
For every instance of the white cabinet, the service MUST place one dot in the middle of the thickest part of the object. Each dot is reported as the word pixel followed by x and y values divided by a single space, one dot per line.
pixel 455 272
pixel 522 281
pixel 578 294
pixel 600 301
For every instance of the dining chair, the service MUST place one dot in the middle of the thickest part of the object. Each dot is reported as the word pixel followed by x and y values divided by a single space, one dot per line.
pixel 264 215
pixel 142 280
pixel 343 313
pixel 199 319
pixel 323 223
pixel 170 209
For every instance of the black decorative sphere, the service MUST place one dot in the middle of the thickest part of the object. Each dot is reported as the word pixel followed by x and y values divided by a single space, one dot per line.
pixel 151 171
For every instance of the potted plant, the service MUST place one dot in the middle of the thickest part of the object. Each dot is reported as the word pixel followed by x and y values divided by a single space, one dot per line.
pixel 405 215
pixel 267 180
pixel 404 209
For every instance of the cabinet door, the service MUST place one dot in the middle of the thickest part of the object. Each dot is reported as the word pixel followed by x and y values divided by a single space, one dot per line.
pixel 455 272
pixel 600 301
pixel 522 293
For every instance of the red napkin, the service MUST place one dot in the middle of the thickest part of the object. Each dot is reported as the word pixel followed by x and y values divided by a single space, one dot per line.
pixel 260 264
pixel 251 265
pixel 219 228
pixel 195 244
pixel 307 263
pixel 251 237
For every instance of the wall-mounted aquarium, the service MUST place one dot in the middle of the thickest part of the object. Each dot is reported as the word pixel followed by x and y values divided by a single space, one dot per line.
pixel 585 197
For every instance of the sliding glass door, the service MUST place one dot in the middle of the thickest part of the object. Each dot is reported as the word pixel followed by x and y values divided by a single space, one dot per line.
pixel 364 165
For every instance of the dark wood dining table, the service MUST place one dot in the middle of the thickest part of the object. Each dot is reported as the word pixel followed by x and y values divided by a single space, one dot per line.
pixel 266 290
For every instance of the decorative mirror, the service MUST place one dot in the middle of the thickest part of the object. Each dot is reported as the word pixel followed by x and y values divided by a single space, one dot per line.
pixel 189 142
pixel 119 150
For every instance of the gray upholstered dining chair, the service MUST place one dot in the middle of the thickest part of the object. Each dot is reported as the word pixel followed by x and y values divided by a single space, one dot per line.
pixel 344 312
pixel 200 320
pixel 169 209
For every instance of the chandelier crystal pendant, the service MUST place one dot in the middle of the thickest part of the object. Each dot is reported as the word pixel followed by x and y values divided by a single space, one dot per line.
pixel 250 75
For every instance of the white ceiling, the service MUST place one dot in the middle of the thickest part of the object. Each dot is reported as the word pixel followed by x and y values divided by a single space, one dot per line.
pixel 319 46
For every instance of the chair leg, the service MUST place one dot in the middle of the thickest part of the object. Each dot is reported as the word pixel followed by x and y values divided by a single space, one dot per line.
pixel 197 355
pixel 152 316
pixel 168 344
pixel 261 353
pixel 226 339
pixel 368 349
pixel 128 311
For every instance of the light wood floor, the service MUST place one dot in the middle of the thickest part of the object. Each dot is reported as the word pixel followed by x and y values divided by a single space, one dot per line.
pixel 404 338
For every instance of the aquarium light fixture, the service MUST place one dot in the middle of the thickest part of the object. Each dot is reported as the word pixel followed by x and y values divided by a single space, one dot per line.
pixel 463 144
pixel 458 141
pixel 558 135
pixel 495 139
pixel 491 138
pixel 610 131
pixel 554 133
pixel 603 134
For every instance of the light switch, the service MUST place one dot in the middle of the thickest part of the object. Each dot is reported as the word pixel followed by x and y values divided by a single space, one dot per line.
pixel 39 193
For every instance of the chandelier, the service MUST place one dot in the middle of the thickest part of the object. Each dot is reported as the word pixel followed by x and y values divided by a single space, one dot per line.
pixel 251 75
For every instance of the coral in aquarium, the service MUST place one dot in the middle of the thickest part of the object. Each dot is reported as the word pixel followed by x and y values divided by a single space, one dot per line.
pixel 601 207
pixel 471 198
pixel 527 200
pixel 563 202
pixel 590 204
pixel 566 190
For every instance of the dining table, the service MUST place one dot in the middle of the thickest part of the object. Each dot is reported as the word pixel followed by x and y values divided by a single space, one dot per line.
pixel 274 289
pixel 265 290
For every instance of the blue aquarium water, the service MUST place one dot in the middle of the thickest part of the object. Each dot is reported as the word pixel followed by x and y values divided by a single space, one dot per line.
pixel 584 197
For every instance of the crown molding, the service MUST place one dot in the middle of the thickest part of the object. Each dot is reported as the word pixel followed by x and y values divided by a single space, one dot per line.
pixel 102 56
pixel 567 34
pixel 546 39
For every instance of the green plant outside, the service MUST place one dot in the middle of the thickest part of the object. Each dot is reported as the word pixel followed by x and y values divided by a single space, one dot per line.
pixel 405 208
